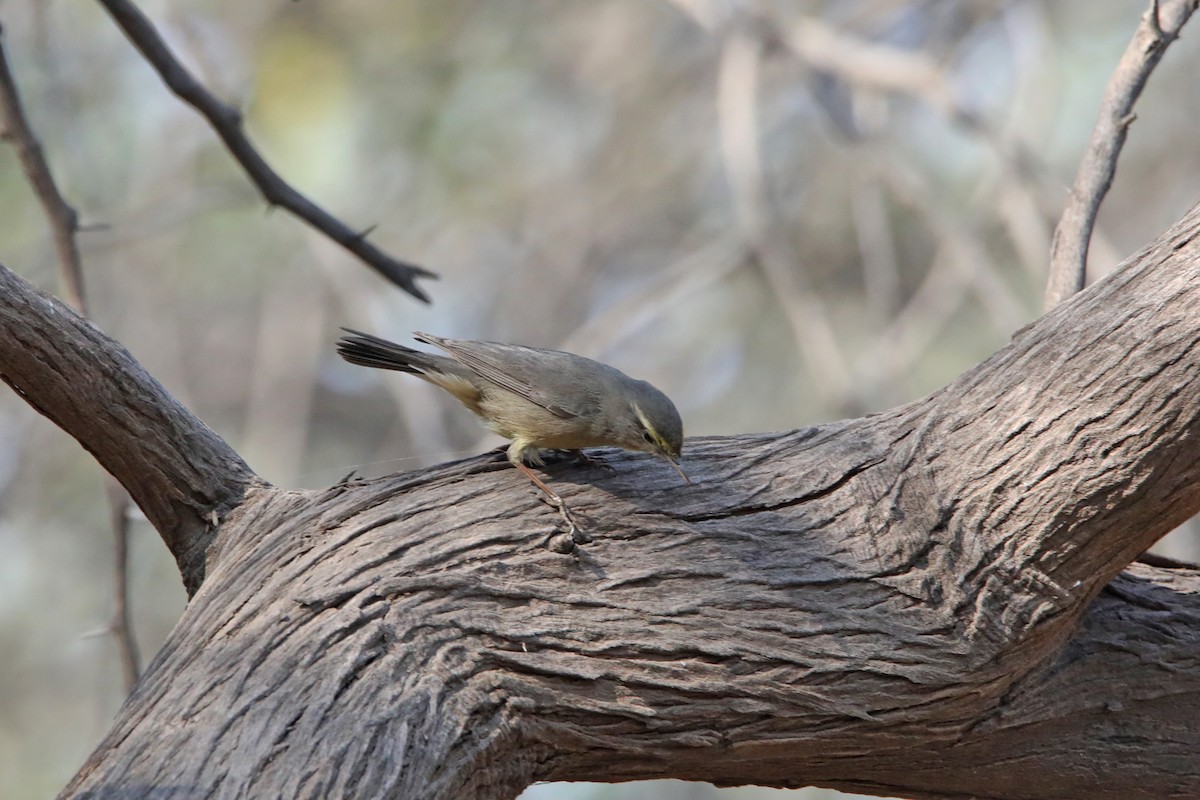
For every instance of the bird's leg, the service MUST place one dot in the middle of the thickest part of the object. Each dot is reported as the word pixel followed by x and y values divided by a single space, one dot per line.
pixel 551 497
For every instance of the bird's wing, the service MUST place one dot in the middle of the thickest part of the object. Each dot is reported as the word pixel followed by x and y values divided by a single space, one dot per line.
pixel 475 357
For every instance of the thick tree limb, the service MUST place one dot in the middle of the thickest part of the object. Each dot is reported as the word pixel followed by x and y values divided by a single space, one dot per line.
pixel 182 475
pixel 890 604
pixel 1161 25
pixel 226 121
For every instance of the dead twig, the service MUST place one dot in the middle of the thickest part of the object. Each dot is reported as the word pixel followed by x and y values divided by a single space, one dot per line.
pixel 1160 26
pixel 64 224
pixel 226 121
pixel 122 625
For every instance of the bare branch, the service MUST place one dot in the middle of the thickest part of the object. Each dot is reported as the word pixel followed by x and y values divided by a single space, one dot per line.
pixel 226 121
pixel 1160 26
pixel 64 222
pixel 906 604
pixel 184 477
pixel 122 623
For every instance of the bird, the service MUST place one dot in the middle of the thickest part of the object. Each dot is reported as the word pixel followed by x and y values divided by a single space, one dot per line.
pixel 539 399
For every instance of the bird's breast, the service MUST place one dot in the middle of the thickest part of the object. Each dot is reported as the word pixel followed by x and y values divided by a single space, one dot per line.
pixel 514 417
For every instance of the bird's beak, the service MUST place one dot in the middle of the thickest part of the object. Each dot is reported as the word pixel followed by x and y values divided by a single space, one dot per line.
pixel 678 468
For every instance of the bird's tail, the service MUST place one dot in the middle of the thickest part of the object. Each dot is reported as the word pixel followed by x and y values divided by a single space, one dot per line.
pixel 371 351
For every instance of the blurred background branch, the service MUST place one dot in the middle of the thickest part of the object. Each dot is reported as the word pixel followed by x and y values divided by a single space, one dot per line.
pixel 64 224
pixel 63 221
pixel 777 217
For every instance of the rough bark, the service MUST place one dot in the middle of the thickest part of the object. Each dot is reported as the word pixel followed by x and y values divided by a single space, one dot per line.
pixel 183 476
pixel 910 604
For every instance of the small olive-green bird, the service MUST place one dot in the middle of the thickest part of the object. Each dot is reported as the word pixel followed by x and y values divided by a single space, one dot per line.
pixel 540 399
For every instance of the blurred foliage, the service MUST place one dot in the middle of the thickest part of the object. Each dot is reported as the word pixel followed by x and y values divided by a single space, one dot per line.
pixel 692 190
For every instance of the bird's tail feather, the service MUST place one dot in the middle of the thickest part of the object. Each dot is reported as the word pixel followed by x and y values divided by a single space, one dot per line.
pixel 371 351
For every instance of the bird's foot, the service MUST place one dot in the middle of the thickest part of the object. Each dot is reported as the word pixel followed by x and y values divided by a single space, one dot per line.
pixel 580 457
pixel 571 527
pixel 565 541
pixel 574 532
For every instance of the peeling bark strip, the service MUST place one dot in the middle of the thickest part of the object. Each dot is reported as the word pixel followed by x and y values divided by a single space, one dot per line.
pixel 174 467
pixel 889 605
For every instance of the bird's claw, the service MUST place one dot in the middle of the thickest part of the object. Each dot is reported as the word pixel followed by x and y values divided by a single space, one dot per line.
pixel 572 532
pixel 587 460
pixel 572 527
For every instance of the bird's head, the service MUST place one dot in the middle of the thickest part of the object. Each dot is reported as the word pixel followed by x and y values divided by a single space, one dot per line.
pixel 655 426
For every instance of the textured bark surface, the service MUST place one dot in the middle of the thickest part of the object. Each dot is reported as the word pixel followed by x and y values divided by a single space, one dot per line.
pixel 913 603
pixel 183 476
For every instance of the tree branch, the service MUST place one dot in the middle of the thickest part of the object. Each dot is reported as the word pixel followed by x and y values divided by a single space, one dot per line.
pixel 226 121
pixel 64 222
pixel 122 622
pixel 1160 25
pixel 889 604
pixel 182 475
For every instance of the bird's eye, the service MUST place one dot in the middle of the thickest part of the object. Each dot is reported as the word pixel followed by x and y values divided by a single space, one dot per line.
pixel 646 435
